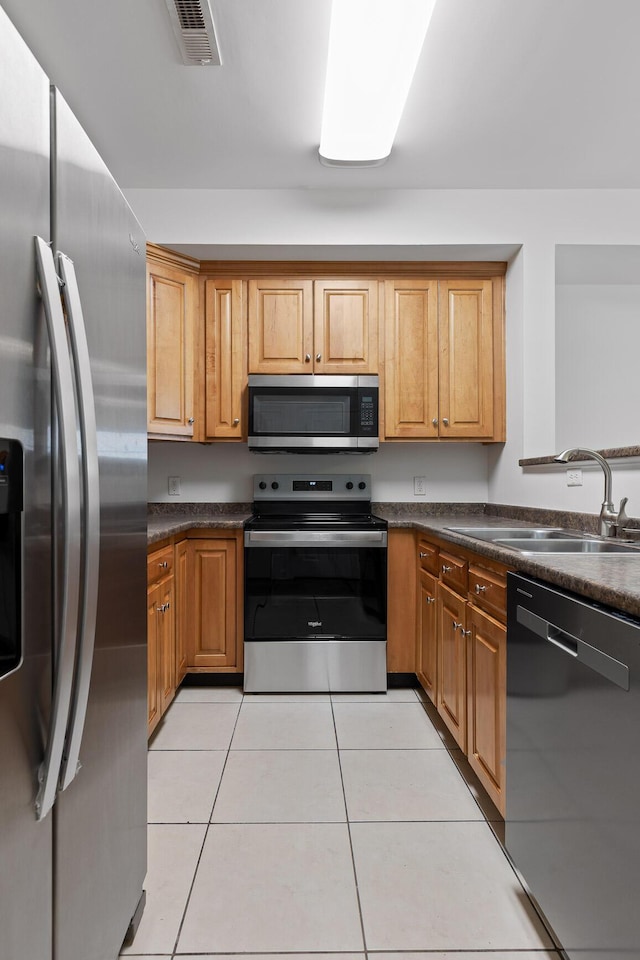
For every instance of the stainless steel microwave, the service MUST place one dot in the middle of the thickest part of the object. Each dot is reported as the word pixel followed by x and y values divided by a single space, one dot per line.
pixel 304 413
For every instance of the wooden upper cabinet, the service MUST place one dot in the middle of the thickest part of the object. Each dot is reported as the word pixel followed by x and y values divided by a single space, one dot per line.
pixel 466 348
pixel 172 296
pixel 280 326
pixel 225 359
pixel 411 358
pixel 345 334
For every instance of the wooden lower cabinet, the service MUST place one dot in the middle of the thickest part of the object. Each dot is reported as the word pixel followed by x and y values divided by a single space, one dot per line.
pixel 401 601
pixel 486 702
pixel 452 663
pixel 213 603
pixel 461 652
pixel 182 608
pixel 161 676
pixel 427 624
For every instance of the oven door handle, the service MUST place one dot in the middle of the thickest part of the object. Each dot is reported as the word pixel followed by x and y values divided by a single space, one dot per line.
pixel 315 538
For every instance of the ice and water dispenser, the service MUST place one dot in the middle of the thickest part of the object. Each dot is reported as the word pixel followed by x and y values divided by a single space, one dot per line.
pixel 11 505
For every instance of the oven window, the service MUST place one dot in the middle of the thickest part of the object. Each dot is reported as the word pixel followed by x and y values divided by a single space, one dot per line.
pixel 303 592
pixel 302 414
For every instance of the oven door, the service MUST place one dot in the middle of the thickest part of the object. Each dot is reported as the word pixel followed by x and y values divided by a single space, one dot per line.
pixel 313 413
pixel 315 610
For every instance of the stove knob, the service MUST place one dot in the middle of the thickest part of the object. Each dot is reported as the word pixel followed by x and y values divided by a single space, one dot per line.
pixel 275 485
pixel 362 485
pixel 349 485
pixel 262 485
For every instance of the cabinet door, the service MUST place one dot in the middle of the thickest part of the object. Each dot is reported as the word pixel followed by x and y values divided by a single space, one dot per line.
pixel 214 634
pixel 182 609
pixel 345 316
pixel 166 644
pixel 280 326
pixel 153 657
pixel 466 341
pixel 427 651
pixel 452 666
pixel 225 358
pixel 171 312
pixel 411 359
pixel 487 703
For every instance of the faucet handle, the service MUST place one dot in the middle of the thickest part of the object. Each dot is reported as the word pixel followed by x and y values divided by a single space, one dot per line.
pixel 622 519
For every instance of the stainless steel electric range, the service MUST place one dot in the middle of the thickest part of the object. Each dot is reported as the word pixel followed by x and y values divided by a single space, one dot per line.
pixel 315 616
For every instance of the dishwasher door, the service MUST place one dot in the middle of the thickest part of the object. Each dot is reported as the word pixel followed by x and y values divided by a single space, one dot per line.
pixel 573 766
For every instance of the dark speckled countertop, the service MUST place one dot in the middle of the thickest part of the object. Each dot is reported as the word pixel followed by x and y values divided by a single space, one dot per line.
pixel 611 579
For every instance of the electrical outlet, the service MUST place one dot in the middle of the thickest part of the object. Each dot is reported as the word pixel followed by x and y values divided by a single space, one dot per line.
pixel 173 486
pixel 419 486
pixel 574 478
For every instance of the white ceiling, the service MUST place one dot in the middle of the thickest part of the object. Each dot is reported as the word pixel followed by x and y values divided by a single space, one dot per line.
pixel 508 93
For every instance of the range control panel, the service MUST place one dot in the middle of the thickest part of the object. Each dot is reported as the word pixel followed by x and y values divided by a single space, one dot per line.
pixel 307 486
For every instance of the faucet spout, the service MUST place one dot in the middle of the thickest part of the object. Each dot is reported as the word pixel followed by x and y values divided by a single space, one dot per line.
pixel 610 519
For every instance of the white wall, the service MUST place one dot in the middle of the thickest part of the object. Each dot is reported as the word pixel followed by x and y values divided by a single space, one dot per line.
pixel 535 219
pixel 222 472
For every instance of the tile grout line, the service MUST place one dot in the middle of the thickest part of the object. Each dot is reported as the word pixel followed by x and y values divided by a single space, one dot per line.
pixel 206 834
pixel 346 812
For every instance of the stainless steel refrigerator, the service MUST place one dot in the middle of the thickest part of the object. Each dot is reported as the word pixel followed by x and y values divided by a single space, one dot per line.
pixel 72 532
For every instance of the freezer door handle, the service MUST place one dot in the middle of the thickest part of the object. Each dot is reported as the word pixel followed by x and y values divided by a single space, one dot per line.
pixel 66 625
pixel 90 518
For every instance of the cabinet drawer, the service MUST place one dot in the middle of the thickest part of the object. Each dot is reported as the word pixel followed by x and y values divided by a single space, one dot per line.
pixel 428 557
pixel 159 564
pixel 488 590
pixel 453 572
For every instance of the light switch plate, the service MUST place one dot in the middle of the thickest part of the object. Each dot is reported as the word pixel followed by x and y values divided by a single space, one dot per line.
pixel 173 485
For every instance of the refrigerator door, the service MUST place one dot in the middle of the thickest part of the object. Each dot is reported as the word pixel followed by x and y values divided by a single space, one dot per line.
pixel 100 817
pixel 25 416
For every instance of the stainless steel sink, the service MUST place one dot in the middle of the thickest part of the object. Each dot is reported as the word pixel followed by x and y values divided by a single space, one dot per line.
pixel 558 546
pixel 520 533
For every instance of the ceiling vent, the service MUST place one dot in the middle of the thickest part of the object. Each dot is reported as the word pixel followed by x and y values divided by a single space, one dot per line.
pixel 192 23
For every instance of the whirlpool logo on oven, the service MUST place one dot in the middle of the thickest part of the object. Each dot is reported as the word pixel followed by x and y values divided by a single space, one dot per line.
pixel 314 623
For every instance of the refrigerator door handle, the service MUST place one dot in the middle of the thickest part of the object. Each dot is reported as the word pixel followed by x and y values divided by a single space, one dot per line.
pixel 91 518
pixel 66 627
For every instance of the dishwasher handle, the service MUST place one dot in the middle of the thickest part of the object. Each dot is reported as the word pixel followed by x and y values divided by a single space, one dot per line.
pixel 596 660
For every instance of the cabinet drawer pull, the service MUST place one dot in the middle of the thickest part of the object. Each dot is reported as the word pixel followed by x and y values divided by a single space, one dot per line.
pixel 479 588
pixel 430 599
pixel 446 569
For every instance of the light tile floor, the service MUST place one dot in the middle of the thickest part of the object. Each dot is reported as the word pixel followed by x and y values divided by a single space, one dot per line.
pixel 323 825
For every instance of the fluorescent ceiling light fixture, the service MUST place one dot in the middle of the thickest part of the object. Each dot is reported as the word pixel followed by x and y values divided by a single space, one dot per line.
pixel 374 47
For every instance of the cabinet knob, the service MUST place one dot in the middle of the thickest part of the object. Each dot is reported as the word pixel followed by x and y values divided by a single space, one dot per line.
pixel 236 421
pixel 479 588
pixel 466 633
pixel 160 609
pixel 190 420
pixel 446 569
pixel 430 599
pixel 318 357
pixel 423 555
pixel 435 421
pixel 307 358
pixel 163 564
pixel 458 626
pixel 167 605
pixel 445 421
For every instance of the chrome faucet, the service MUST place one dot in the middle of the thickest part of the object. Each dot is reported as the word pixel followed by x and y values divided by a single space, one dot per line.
pixel 612 522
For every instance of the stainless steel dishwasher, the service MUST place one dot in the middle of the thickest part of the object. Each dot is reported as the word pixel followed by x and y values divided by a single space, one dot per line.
pixel 573 766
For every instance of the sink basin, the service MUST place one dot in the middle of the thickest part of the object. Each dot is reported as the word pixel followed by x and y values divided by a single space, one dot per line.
pixel 557 546
pixel 520 533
